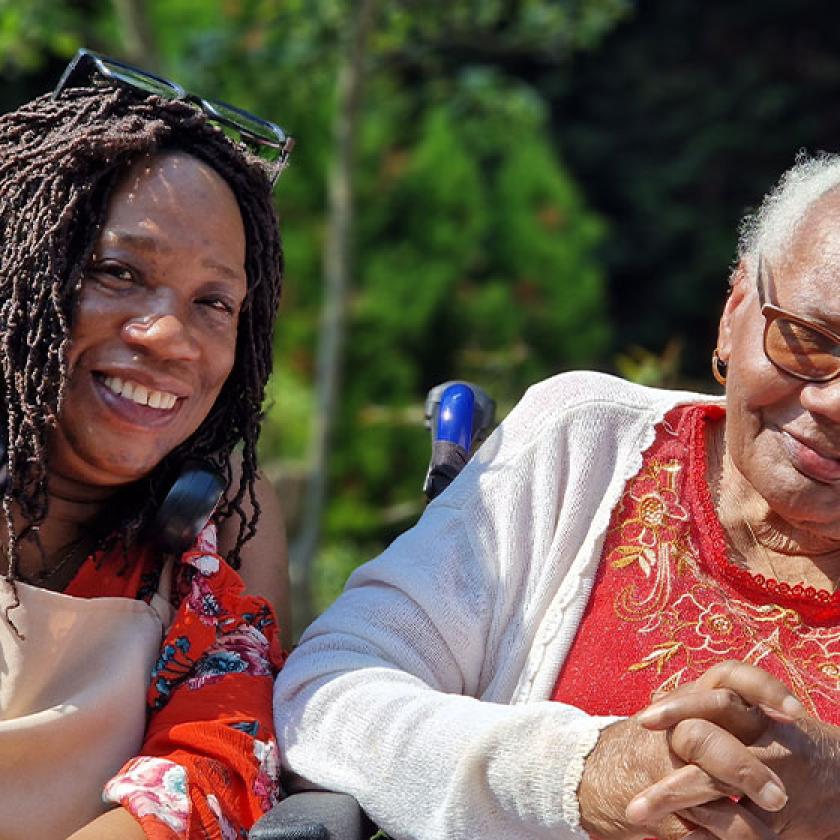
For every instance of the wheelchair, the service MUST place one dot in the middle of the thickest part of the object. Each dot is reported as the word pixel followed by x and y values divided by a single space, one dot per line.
pixel 459 416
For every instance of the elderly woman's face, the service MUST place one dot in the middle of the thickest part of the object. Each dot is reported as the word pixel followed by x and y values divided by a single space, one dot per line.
pixel 783 434
pixel 154 336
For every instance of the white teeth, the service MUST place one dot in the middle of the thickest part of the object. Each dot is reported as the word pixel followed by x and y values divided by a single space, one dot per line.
pixel 140 394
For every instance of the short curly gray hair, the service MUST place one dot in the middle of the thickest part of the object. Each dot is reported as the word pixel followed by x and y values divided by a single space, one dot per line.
pixel 769 229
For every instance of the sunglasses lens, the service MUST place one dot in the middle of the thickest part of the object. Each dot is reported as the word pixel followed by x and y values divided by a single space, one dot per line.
pixel 252 128
pixel 141 80
pixel 801 350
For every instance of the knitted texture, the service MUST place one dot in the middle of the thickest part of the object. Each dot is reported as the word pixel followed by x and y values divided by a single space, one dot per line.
pixel 423 691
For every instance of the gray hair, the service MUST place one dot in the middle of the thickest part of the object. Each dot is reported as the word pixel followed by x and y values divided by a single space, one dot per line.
pixel 770 229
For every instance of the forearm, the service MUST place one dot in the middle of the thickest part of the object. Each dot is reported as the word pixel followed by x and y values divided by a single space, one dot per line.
pixel 457 766
pixel 116 824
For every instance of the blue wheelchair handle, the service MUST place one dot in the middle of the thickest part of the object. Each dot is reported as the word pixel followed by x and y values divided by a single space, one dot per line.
pixel 455 416
pixel 459 416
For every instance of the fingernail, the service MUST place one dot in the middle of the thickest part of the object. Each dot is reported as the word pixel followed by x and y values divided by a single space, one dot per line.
pixel 651 715
pixel 637 810
pixel 771 797
pixel 791 706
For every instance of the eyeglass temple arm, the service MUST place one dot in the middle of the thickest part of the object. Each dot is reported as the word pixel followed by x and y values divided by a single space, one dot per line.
pixel 759 282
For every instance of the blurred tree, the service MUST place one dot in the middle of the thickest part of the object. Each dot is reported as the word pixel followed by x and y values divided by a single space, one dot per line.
pixel 678 124
pixel 475 253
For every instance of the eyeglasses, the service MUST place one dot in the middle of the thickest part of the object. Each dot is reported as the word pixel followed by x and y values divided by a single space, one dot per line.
pixel 264 138
pixel 795 345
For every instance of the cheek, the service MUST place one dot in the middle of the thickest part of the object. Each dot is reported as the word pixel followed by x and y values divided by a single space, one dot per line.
pixel 220 367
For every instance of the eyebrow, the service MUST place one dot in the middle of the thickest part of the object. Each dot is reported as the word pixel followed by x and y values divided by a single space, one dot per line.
pixel 771 298
pixel 153 245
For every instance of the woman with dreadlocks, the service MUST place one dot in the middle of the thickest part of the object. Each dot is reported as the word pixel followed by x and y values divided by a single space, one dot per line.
pixel 139 279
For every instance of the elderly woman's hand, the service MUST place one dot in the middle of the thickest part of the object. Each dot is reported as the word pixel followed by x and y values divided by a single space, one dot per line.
pixel 628 759
pixel 730 707
pixel 682 763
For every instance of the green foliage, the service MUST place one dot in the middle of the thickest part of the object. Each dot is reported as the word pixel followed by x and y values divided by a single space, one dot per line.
pixel 475 252
pixel 30 30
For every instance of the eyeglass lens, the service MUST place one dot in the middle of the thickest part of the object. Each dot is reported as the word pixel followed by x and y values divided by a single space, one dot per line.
pixel 244 126
pixel 134 77
pixel 801 350
pixel 265 139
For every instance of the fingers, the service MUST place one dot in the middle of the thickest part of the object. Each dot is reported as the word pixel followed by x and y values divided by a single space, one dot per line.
pixel 684 788
pixel 721 706
pixel 755 686
pixel 717 765
pixel 727 820
pixel 722 756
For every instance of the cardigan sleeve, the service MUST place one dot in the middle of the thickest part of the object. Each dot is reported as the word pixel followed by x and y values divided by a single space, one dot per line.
pixel 399 694
pixel 208 766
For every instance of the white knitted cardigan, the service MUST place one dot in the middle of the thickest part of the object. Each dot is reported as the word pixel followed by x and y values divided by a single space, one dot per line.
pixel 423 691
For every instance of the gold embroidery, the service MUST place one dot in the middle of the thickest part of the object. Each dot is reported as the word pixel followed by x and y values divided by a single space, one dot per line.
pixel 701 623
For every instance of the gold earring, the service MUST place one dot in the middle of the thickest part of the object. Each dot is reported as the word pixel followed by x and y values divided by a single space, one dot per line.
pixel 719 368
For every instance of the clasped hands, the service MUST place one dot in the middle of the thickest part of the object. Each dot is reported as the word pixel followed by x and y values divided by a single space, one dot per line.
pixel 732 755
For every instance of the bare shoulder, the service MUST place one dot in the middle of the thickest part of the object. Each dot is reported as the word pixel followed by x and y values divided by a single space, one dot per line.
pixel 265 558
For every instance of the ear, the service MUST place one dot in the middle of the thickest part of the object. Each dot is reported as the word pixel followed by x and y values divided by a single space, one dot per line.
pixel 738 293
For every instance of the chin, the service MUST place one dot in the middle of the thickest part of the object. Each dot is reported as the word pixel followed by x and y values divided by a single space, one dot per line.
pixel 810 505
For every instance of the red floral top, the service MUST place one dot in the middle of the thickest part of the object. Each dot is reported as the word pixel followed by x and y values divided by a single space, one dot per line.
pixel 208 765
pixel 672 603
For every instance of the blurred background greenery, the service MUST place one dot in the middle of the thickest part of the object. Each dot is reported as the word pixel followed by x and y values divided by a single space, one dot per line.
pixel 494 190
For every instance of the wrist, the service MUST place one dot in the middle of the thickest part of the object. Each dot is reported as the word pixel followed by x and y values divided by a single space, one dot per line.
pixel 623 763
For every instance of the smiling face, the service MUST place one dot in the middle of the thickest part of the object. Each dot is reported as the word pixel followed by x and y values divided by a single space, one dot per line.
pixel 783 434
pixel 155 327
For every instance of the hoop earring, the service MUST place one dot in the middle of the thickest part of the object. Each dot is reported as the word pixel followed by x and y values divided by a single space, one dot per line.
pixel 719 368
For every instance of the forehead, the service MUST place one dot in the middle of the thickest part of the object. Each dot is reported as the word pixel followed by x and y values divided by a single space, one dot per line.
pixel 175 203
pixel 160 181
pixel 808 272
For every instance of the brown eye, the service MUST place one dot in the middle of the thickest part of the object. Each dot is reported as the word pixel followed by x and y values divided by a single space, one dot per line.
pixel 218 304
pixel 800 349
pixel 111 275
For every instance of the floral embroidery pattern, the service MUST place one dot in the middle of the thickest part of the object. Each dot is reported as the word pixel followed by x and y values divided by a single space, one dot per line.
pixel 201 771
pixel 172 667
pixel 689 617
pixel 265 785
pixel 227 828
pixel 243 651
pixel 153 787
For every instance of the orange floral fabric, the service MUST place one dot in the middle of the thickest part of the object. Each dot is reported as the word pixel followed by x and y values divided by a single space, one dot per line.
pixel 208 766
pixel 668 603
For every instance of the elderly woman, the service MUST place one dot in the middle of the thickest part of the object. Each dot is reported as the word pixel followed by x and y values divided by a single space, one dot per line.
pixel 613 550
pixel 139 279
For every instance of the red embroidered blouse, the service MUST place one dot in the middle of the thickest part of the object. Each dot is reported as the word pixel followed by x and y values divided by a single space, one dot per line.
pixel 208 765
pixel 668 603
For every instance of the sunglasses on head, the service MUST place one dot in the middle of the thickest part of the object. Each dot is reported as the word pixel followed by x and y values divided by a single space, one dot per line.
pixel 266 139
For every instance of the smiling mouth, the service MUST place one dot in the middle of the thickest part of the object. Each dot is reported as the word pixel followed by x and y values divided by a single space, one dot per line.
pixel 811 462
pixel 139 394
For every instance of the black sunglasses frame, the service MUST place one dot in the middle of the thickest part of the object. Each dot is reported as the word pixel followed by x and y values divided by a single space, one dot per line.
pixel 86 63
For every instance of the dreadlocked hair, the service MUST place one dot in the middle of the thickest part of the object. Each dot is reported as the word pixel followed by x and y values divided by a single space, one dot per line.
pixel 60 160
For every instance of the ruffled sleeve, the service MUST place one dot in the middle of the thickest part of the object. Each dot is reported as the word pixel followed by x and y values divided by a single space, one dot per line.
pixel 208 766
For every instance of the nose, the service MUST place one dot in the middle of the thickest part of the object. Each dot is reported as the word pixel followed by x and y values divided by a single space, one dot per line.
pixel 163 333
pixel 822 398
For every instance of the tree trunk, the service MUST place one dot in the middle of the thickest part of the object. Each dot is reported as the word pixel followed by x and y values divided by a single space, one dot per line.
pixel 337 273
pixel 139 45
